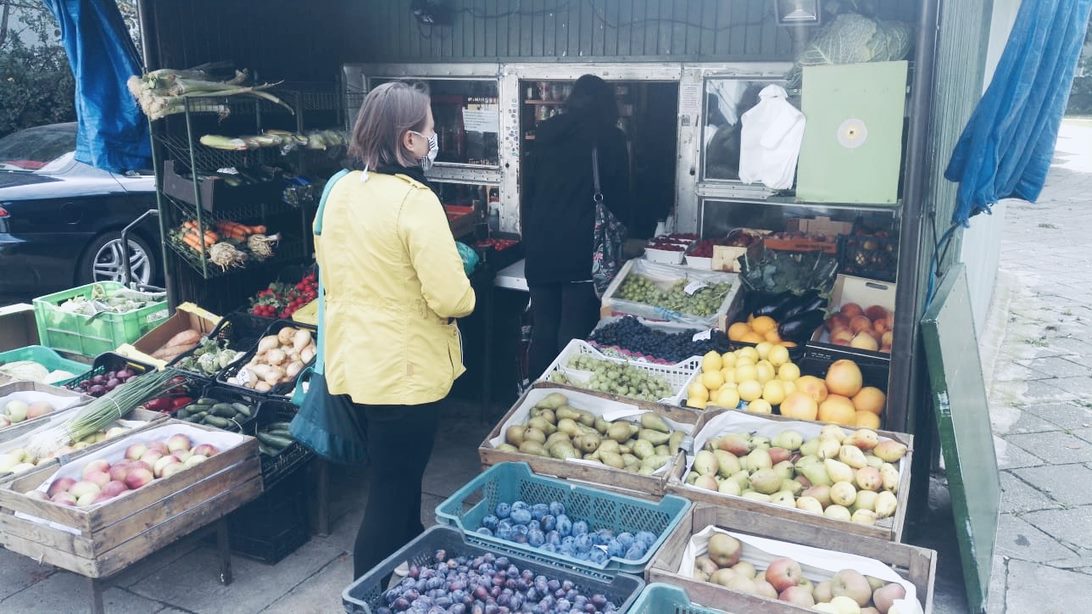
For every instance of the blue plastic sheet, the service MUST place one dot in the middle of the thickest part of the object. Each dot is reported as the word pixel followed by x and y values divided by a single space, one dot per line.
pixel 1006 148
pixel 112 133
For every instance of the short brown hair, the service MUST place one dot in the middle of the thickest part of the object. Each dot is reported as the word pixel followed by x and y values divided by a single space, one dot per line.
pixel 388 112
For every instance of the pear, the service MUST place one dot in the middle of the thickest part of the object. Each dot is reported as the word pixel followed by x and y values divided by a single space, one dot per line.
pixel 760 443
pixel 820 494
pixel 766 481
pixel 816 474
pixel 890 450
pixel 869 479
pixel 690 477
pixel 792 486
pixel 707 482
pixel 790 440
pixel 742 478
pixel 729 487
pixel 738 445
pixel 806 460
pixel 886 504
pixel 890 477
pixel 655 437
pixel 843 493
pixel 873 461
pixel 784 469
pixel 727 463
pixel 828 448
pixel 759 459
pixel 809 504
pixel 784 499
pixel 866 500
pixel 810 447
pixel 864 517
pixel 865 439
pixel 705 463
pixel 837 512
pixel 852 456
pixel 838 471
pixel 832 431
pixel 652 421
pixel 756 496
pixel 675 441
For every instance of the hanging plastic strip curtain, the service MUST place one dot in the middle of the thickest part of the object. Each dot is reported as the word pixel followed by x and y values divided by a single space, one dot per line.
pixel 1006 148
pixel 112 133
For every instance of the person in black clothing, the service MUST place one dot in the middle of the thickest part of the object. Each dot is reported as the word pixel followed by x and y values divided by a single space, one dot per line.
pixel 559 214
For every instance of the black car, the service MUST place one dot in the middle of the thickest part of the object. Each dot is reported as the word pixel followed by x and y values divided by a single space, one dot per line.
pixel 61 220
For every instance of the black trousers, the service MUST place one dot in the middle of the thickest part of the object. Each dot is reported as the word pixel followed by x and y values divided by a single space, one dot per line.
pixel 400 439
pixel 561 312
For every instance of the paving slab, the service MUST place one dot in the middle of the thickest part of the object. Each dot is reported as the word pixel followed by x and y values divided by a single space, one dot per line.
pixel 1045 590
pixel 17 572
pixel 1066 415
pixel 1011 456
pixel 1056 366
pixel 156 561
pixel 191 582
pixel 1054 447
pixel 1080 387
pixel 1066 484
pixel 68 592
pixel 1027 422
pixel 1017 539
pixel 1018 496
pixel 319 594
pixel 995 597
pixel 1044 390
pixel 1072 526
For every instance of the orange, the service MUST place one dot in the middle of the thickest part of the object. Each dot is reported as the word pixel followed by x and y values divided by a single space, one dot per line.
pixel 751 337
pixel 763 324
pixel 773 337
pixel 867 420
pixel 737 330
pixel 837 409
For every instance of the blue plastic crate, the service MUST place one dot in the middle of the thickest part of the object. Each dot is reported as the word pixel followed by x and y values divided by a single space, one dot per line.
pixel 49 359
pixel 666 599
pixel 365 596
pixel 510 482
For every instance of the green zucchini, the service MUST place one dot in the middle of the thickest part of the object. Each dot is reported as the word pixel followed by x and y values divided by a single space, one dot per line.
pixel 243 409
pixel 273 441
pixel 216 421
pixel 224 410
pixel 205 401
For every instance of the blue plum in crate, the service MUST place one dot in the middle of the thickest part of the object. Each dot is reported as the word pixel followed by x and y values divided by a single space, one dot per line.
pixel 580 527
pixel 535 525
pixel 599 557
pixel 520 505
pixel 557 508
pixel 520 515
pixel 539 510
pixel 485 531
pixel 615 548
pixel 490 522
pixel 553 537
pixel 548 522
pixel 504 533
pixel 626 539
pixel 564 525
pixel 503 510
pixel 536 538
pixel 635 552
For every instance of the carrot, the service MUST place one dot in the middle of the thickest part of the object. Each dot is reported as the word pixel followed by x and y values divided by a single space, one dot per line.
pixel 191 240
pixel 258 230
pixel 230 226
pixel 190 224
pixel 238 235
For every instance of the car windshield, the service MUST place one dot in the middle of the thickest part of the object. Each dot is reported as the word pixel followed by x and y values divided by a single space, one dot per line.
pixel 33 148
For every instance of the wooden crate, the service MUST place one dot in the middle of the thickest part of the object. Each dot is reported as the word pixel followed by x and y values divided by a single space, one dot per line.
pixel 677 485
pixel 624 481
pixel 109 537
pixel 917 565
pixel 16 430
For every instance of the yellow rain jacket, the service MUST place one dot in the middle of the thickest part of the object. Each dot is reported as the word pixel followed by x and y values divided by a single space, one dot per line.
pixel 394 282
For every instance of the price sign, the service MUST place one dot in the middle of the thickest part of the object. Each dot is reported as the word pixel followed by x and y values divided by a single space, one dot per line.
pixel 704 335
pixel 694 286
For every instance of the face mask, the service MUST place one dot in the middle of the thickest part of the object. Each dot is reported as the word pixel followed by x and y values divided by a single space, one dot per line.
pixel 433 150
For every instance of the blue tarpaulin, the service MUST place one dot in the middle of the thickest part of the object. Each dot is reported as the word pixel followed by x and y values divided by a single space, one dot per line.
pixel 113 133
pixel 1006 148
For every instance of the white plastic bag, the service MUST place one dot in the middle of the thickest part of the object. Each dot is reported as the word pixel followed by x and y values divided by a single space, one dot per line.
pixel 770 140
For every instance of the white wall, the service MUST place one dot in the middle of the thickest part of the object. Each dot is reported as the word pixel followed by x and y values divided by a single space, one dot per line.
pixel 981 247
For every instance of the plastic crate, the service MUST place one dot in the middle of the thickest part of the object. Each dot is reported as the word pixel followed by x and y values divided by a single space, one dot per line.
pixel 677 376
pixel 272 526
pixel 230 394
pixel 239 331
pixel 93 335
pixel 665 275
pixel 109 361
pixel 508 482
pixel 47 358
pixel 660 598
pixel 866 255
pixel 283 389
pixel 276 468
pixel 365 595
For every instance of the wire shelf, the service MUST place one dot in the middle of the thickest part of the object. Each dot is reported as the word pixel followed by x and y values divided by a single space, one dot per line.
pixel 207 159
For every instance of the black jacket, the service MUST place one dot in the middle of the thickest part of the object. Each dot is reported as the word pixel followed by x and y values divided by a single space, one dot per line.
pixel 558 212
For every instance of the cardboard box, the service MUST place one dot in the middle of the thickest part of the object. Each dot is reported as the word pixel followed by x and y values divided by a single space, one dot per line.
pixel 17 327
pixel 864 292
pixel 821 225
pixel 187 317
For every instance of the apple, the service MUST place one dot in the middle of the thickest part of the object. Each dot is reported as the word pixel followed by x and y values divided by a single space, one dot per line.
pixel 724 550
pixel 98 477
pixel 160 447
pixel 765 589
pixel 206 450
pixel 101 465
pixel 797 595
pixel 179 442
pixel 845 605
pixel 60 485
pixel 742 583
pixel 885 597
pixel 850 583
pixel 114 488
pixel 783 573
pixel 138 477
pixel 152 456
pixel 63 498
pixel 120 470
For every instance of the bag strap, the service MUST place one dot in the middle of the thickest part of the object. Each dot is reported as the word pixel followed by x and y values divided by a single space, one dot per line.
pixel 598 197
pixel 320 349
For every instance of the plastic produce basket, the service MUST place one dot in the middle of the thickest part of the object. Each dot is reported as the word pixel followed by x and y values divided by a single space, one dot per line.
pixel 665 275
pixel 283 389
pixel 47 358
pixel 365 596
pixel 508 482
pixel 95 334
pixel 109 361
pixel 677 375
pixel 231 394
pixel 239 331
pixel 277 467
pixel 660 598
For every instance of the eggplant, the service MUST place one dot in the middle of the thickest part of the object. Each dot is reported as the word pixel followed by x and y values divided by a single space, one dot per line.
pixel 818 303
pixel 800 327
pixel 797 305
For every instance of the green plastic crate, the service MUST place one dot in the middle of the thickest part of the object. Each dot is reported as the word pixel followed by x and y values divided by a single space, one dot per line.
pixel 92 335
pixel 666 599
pixel 47 358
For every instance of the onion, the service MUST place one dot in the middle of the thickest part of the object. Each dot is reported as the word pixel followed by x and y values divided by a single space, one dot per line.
pixel 124 374
pixel 301 339
pixel 275 357
pixel 285 335
pixel 268 343
pixel 293 369
pixel 112 383
pixel 307 354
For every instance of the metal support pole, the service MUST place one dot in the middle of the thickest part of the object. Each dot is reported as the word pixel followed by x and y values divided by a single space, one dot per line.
pixel 223 547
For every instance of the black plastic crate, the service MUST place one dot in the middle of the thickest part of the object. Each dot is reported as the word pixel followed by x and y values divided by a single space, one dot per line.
pixel 282 389
pixel 274 525
pixel 108 361
pixel 365 596
pixel 239 331
pixel 275 467
pixel 875 256
pixel 228 394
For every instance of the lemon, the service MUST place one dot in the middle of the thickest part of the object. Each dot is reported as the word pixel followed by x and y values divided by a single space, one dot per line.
pixel 759 406
pixel 750 390
pixel 697 391
pixel 712 380
pixel 788 387
pixel 727 397
pixel 746 372
pixel 788 372
pixel 711 362
pixel 779 355
pixel 773 392
pixel 764 372
pixel 748 352
pixel 728 359
pixel 729 375
pixel 696 404
pixel 763 349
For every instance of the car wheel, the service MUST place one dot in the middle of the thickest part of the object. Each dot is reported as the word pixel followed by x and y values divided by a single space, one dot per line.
pixel 102 261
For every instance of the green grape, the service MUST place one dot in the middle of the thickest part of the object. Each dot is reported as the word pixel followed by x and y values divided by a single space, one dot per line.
pixel 622 379
pixel 704 302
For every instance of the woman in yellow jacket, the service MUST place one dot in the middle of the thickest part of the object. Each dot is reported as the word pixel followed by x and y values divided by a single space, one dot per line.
pixel 394 283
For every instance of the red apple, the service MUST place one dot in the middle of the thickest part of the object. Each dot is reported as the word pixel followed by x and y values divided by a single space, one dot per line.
pixel 885 597
pixel 797 595
pixel 138 477
pixel 60 485
pixel 783 573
